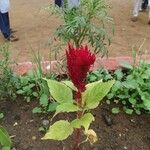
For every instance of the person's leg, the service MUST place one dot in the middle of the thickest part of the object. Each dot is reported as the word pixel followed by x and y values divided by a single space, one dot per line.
pixel 149 11
pixel 3 27
pixel 137 6
pixel 5 19
pixel 145 4
pixel 58 3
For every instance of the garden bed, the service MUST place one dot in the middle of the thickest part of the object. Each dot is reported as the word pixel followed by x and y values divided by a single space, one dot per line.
pixel 119 132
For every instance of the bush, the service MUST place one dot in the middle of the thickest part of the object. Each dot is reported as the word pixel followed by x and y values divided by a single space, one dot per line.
pixel 7 78
pixel 132 88
pixel 87 23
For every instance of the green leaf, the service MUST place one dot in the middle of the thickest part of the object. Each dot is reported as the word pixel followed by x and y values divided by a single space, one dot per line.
pixel 128 111
pixel 1 115
pixel 132 101
pixel 86 120
pixel 126 65
pixel 35 94
pixel 6 148
pixel 76 123
pixel 41 129
pixel 20 92
pixel 138 112
pixel 44 100
pixel 60 130
pixel 31 75
pixel 36 110
pixel 147 103
pixel 4 138
pixel 70 85
pixel 95 92
pixel 130 84
pixel 115 110
pixel 67 107
pixel 119 74
pixel 52 106
pixel 59 91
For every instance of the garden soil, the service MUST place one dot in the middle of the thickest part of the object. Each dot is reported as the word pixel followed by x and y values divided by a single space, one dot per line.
pixel 35 26
pixel 115 132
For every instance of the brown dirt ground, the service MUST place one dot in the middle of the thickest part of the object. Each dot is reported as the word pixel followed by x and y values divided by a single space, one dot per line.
pixel 35 26
pixel 124 133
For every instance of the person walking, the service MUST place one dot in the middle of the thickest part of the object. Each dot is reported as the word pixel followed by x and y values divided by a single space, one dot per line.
pixel 59 3
pixel 144 4
pixel 73 3
pixel 70 3
pixel 4 21
pixel 136 8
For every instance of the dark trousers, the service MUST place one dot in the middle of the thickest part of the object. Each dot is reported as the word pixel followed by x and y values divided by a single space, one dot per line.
pixel 59 3
pixel 5 24
pixel 145 3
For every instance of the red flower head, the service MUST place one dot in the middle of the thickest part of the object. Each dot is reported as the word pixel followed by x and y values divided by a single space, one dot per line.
pixel 79 61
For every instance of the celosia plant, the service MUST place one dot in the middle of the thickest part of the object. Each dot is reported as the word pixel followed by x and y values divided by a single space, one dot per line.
pixel 86 97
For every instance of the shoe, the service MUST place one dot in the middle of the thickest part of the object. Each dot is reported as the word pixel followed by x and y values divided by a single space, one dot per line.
pixel 134 19
pixel 12 38
pixel 12 30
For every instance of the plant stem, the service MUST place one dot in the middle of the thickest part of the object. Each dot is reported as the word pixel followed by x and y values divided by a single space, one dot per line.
pixel 77 131
pixel 77 139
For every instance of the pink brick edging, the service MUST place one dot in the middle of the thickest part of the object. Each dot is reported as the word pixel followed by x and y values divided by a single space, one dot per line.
pixel 111 63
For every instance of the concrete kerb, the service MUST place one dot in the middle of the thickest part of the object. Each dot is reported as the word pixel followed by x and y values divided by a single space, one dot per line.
pixel 110 63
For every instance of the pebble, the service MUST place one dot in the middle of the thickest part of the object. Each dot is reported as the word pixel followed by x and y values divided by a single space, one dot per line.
pixel 45 123
pixel 107 119
pixel 34 138
pixel 15 124
pixel 132 120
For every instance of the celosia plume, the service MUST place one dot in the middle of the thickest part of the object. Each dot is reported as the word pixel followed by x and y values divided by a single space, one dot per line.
pixel 79 61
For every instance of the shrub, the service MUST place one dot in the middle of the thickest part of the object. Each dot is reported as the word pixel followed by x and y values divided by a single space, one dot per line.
pixel 132 87
pixel 84 99
pixel 87 23
pixel 7 78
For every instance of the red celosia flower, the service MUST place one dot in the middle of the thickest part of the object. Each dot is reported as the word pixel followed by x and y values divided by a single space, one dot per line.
pixel 79 61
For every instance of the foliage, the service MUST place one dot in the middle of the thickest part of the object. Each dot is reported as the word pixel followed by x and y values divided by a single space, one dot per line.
pixel 5 140
pixel 76 97
pixel 27 87
pixel 45 103
pixel 89 22
pixel 69 105
pixel 132 87
pixel 100 74
pixel 1 115
pixel 7 78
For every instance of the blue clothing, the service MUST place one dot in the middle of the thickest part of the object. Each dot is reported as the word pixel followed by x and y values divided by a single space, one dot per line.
pixel 59 3
pixel 145 4
pixel 5 25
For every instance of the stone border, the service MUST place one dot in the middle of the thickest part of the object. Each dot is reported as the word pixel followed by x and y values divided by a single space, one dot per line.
pixel 111 63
